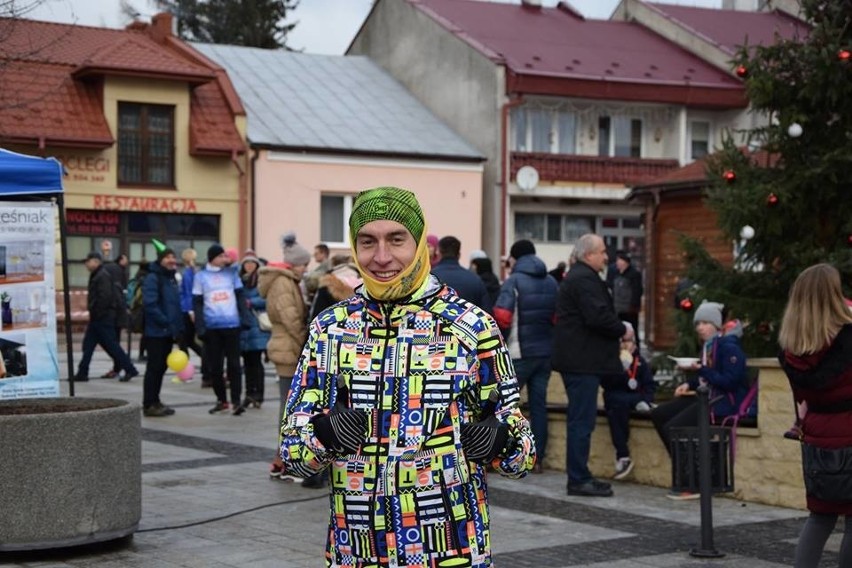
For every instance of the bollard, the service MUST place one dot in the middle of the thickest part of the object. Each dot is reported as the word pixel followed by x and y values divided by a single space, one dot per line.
pixel 707 550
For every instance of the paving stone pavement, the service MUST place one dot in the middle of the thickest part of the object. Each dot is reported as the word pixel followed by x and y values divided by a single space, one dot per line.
pixel 207 501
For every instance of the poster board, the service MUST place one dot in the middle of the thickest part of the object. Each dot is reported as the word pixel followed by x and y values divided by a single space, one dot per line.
pixel 28 325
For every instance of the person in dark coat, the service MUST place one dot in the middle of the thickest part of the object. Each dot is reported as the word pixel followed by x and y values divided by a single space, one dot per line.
pixel 524 313
pixel 816 342
pixel 625 282
pixel 103 305
pixel 163 327
pixel 118 273
pixel 586 339
pixel 633 389
pixel 467 285
pixel 483 267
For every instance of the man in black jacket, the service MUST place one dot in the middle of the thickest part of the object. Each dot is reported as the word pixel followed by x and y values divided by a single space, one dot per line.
pixel 103 303
pixel 587 336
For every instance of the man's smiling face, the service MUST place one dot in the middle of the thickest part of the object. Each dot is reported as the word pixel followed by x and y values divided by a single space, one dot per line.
pixel 384 249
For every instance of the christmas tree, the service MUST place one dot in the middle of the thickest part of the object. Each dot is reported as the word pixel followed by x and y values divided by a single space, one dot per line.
pixel 785 197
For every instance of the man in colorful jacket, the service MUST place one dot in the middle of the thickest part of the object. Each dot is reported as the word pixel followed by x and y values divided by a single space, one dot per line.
pixel 406 392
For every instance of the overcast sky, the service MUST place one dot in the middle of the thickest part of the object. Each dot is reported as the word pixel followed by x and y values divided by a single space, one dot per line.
pixel 325 26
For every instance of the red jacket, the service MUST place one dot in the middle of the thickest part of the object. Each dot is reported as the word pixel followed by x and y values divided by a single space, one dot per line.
pixel 822 379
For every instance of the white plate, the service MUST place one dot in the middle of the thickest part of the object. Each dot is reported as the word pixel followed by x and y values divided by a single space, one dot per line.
pixel 685 361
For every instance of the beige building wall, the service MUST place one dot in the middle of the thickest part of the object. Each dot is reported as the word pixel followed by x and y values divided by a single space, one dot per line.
pixel 288 190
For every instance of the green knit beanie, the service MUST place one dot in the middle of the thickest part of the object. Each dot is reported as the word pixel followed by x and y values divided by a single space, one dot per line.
pixel 386 204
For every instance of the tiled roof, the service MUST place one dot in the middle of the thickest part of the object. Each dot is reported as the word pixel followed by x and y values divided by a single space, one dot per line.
pixel 730 29
pixel 559 44
pixel 332 103
pixel 695 173
pixel 47 96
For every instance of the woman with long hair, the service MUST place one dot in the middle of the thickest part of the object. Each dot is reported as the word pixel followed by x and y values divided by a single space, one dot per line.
pixel 816 344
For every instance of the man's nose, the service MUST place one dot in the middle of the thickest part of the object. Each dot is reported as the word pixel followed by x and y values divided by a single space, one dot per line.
pixel 383 255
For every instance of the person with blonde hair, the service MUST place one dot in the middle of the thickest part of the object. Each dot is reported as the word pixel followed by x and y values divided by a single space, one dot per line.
pixel 816 354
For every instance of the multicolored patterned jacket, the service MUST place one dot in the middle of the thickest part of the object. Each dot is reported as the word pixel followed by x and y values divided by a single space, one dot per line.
pixel 420 369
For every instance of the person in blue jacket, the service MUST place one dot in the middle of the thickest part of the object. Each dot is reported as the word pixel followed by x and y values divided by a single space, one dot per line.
pixel 524 312
pixel 163 326
pixel 722 368
pixel 253 340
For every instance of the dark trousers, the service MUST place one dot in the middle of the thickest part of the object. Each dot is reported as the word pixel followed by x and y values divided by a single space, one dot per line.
pixel 158 353
pixel 618 404
pixel 115 366
pixel 187 340
pixel 679 412
pixel 103 333
pixel 582 393
pixel 221 344
pixel 253 366
pixel 534 373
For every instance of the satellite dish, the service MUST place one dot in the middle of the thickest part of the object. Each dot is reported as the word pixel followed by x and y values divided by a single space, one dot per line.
pixel 527 178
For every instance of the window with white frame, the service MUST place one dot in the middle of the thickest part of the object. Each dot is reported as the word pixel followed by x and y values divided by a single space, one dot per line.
pixel 334 212
pixel 544 130
pixel 699 139
pixel 542 227
pixel 619 136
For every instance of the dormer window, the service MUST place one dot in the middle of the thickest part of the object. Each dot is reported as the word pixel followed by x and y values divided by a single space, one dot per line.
pixel 146 148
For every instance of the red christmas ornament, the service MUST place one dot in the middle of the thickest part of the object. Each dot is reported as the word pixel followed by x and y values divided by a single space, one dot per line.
pixel 772 200
pixel 849 239
pixel 741 71
pixel 686 305
pixel 844 55
pixel 729 176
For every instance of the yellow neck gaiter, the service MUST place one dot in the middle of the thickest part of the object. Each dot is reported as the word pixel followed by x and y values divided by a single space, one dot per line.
pixel 406 282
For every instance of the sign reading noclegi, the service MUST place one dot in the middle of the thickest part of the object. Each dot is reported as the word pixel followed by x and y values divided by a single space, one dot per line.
pixel 29 366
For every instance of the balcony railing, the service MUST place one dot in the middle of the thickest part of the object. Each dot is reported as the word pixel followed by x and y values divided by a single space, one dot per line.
pixel 598 169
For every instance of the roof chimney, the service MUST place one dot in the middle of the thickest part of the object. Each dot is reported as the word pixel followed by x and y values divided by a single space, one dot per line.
pixel 162 26
pixel 531 3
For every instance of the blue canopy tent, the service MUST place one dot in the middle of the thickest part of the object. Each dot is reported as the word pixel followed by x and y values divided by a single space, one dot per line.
pixel 25 177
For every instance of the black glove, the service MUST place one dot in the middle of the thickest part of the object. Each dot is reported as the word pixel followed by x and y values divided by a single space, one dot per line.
pixel 484 440
pixel 341 430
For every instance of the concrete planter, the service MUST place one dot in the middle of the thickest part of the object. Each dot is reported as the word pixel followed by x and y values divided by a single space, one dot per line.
pixel 71 471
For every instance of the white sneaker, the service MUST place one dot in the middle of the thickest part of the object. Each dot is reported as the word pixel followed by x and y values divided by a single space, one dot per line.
pixel 623 467
pixel 642 406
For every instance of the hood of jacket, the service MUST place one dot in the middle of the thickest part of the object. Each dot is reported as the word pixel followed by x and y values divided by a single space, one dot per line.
pixel 532 265
pixel 341 282
pixel 268 274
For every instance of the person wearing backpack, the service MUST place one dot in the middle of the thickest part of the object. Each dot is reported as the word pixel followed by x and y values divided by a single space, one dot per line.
pixel 625 283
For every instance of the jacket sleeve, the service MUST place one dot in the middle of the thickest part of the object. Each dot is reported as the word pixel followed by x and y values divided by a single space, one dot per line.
pixel 504 307
pixel 496 372
pixel 151 301
pixel 596 310
pixel 484 299
pixel 310 394
pixel 729 368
